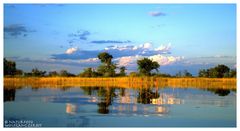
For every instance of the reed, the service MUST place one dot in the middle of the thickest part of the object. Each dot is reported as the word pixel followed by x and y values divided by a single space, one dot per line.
pixel 123 82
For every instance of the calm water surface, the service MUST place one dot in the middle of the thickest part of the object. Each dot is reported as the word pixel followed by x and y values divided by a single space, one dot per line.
pixel 119 107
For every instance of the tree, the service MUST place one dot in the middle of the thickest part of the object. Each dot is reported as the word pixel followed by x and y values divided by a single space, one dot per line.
pixel 105 58
pixel 218 71
pixel 122 71
pixel 187 74
pixel 88 72
pixel 19 72
pixel 9 67
pixel 53 73
pixel 65 73
pixel 203 73
pixel 233 73
pixel 221 69
pixel 36 72
pixel 145 66
pixel 107 68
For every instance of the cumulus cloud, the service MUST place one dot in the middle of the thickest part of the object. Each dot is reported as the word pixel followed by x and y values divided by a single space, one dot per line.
pixel 145 49
pixel 164 47
pixel 71 50
pixel 127 60
pixel 90 60
pixel 16 30
pixel 109 41
pixel 165 60
pixel 161 59
pixel 156 13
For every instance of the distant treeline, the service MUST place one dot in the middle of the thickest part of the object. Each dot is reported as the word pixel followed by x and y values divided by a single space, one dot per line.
pixel 108 69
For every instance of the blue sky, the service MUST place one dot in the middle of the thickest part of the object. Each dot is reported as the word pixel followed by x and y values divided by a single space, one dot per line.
pixel 69 36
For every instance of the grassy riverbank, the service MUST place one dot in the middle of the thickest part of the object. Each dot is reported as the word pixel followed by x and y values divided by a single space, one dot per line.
pixel 124 82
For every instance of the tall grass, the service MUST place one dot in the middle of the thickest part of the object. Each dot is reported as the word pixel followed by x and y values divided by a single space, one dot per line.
pixel 123 82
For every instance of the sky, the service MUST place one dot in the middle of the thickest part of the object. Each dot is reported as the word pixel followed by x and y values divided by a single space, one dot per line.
pixel 70 36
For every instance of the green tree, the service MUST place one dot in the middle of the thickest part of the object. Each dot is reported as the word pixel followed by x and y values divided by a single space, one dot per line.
pixel 122 71
pixel 145 66
pixel 218 71
pixel 233 73
pixel 53 73
pixel 187 74
pixel 19 72
pixel 222 69
pixel 65 73
pixel 9 67
pixel 105 58
pixel 36 72
pixel 88 72
pixel 107 68
pixel 203 73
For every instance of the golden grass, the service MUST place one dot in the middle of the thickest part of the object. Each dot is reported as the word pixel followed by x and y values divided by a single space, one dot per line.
pixel 123 82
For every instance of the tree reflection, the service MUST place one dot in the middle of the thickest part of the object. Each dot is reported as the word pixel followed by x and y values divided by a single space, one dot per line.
pixel 220 92
pixel 122 92
pixel 9 94
pixel 145 96
pixel 89 90
pixel 106 98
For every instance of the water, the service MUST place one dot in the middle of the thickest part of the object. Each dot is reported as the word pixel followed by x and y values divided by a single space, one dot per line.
pixel 119 107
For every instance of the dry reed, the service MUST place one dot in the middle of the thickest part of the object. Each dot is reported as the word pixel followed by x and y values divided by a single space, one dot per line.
pixel 123 82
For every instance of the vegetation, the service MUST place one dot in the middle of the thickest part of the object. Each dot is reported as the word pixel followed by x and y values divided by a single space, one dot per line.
pixel 35 73
pixel 10 68
pixel 220 71
pixel 108 69
pixel 122 71
pixel 185 73
pixel 145 66
pixel 65 73
pixel 88 72
pixel 53 73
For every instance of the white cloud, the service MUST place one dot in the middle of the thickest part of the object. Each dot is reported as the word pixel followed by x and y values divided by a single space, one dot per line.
pixel 162 60
pixel 116 51
pixel 165 60
pixel 71 50
pixel 164 48
pixel 146 45
pixel 127 60
pixel 89 60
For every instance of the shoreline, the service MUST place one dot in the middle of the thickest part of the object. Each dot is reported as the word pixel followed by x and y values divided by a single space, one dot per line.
pixel 122 82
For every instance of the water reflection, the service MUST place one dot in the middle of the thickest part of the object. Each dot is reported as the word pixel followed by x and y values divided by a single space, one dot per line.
pixel 145 96
pixel 81 104
pixel 220 92
pixel 71 108
pixel 9 94
pixel 105 99
pixel 126 101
